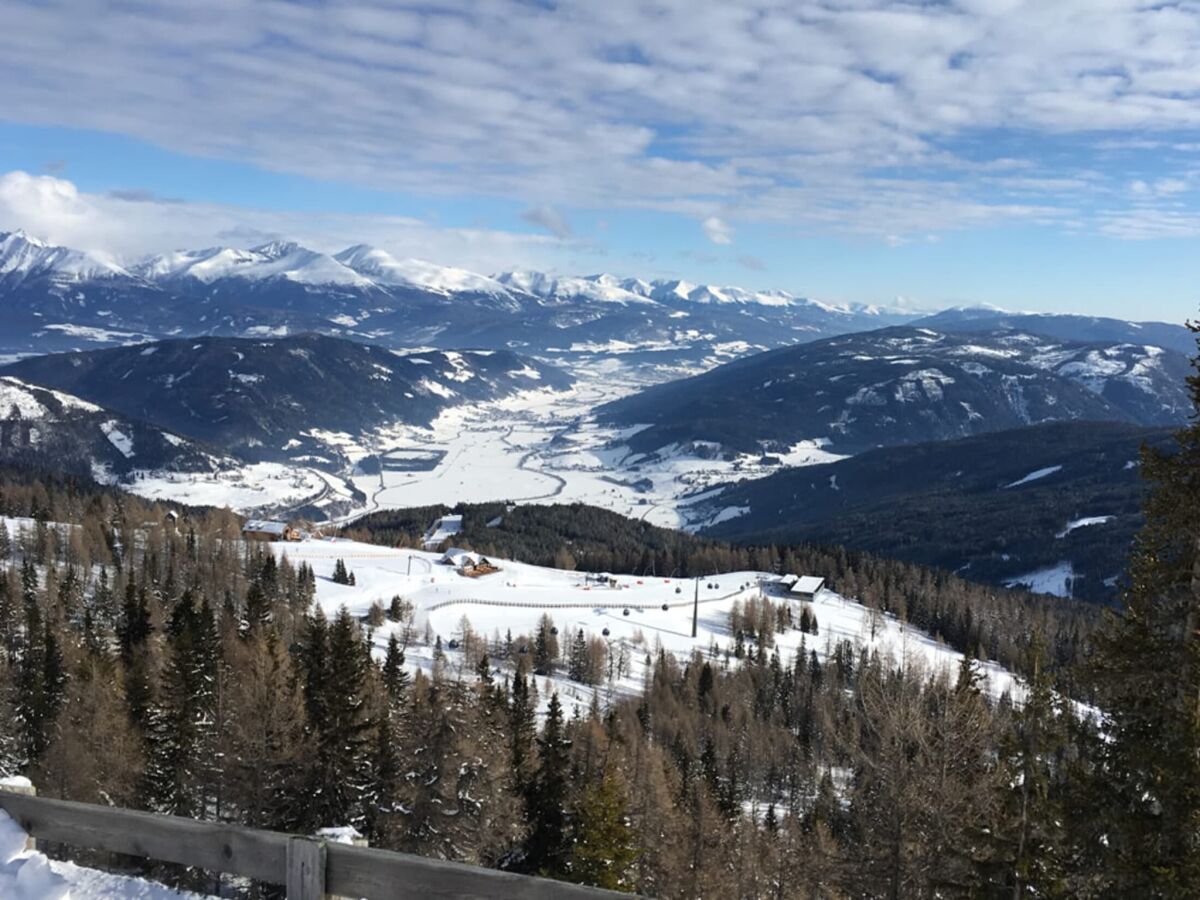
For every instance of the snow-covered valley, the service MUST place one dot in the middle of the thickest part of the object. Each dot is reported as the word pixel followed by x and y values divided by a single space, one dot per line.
pixel 540 446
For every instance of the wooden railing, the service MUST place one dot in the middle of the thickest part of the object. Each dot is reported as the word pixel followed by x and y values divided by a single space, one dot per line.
pixel 311 869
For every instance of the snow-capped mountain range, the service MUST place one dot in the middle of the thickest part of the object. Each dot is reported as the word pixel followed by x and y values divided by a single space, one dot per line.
pixel 363 266
pixel 63 298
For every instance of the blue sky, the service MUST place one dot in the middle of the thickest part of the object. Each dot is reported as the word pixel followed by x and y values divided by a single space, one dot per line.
pixel 1025 154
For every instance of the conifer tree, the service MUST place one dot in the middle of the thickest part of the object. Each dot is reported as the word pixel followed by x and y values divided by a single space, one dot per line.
pixel 604 846
pixel 1147 669
pixel 545 647
pixel 547 846
pixel 1032 819
pixel 181 734
pixel 522 731
pixel 395 676
pixel 342 717
pixel 263 747
pixel 381 812
pixel 40 679
pixel 133 636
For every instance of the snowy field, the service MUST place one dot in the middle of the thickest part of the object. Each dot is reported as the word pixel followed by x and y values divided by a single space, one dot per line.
pixel 257 486
pixel 631 612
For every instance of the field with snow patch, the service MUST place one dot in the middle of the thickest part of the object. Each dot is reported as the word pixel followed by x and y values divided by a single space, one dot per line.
pixel 515 598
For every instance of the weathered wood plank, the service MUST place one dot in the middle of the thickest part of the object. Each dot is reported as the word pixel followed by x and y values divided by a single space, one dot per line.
pixel 218 847
pixel 384 875
pixel 305 869
pixel 267 855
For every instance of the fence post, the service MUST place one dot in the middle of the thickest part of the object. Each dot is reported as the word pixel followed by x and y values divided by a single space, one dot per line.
pixel 305 869
pixel 345 835
pixel 20 786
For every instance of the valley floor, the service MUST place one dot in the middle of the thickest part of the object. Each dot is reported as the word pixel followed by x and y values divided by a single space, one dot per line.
pixel 536 447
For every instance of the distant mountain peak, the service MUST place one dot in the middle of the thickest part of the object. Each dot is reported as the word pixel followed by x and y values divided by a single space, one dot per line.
pixel 277 249
pixel 23 256
pixel 383 268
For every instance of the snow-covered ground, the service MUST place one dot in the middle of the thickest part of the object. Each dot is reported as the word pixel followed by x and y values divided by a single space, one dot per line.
pixel 1057 580
pixel 631 612
pixel 1034 476
pixel 255 486
pixel 1086 522
pixel 546 447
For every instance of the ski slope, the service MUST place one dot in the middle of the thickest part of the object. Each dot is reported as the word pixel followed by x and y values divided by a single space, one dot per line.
pixel 513 600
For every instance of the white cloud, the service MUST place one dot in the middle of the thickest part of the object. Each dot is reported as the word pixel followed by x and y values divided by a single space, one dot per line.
pixel 717 230
pixel 748 106
pixel 548 218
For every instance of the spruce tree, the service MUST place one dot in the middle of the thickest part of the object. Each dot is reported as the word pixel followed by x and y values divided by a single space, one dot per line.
pixel 547 846
pixel 604 845
pixel 395 676
pixel 341 775
pixel 40 680
pixel 181 735
pixel 1031 859
pixel 1147 668
pixel 545 647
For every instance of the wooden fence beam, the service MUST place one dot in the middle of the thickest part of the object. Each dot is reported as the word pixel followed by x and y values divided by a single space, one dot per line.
pixel 305 869
pixel 218 847
pixel 310 869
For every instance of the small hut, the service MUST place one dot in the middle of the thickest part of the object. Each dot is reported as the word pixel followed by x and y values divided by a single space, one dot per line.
pixel 807 587
pixel 266 530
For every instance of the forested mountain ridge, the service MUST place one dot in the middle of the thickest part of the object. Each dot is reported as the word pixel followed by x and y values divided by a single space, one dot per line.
pixel 905 385
pixel 993 507
pixel 44 427
pixel 1062 327
pixel 278 398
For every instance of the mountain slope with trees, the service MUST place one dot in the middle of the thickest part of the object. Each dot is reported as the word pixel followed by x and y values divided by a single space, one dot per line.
pixel 905 385
pixel 272 399
pixel 968 505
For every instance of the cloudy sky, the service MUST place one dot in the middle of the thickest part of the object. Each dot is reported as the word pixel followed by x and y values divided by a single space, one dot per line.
pixel 1041 154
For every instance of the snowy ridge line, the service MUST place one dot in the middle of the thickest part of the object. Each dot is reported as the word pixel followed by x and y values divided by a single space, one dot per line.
pixel 568 605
